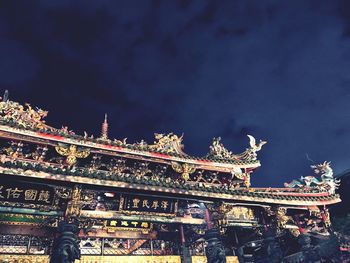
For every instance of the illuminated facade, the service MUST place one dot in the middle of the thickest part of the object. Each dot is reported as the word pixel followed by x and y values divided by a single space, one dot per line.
pixel 65 196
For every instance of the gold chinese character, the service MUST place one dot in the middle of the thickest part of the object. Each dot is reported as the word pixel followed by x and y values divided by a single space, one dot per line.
pixel 155 205
pixel 1 187
pixel 144 225
pixel 135 202
pixel 124 223
pixel 30 194
pixel 164 204
pixel 15 193
pixel 113 223
pixel 134 223
pixel 44 196
pixel 145 203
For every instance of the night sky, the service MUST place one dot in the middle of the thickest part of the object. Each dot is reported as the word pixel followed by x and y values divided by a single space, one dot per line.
pixel 278 70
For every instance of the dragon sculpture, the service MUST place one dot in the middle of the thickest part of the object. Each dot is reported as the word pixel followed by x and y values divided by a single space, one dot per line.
pixel 168 143
pixel 218 150
pixel 215 251
pixel 66 247
pixel 24 116
pixel 327 182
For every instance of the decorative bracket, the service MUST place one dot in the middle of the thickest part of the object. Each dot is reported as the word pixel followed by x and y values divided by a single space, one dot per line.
pixel 184 169
pixel 72 152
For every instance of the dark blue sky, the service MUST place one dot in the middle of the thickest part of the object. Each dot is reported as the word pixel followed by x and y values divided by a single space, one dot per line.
pixel 278 70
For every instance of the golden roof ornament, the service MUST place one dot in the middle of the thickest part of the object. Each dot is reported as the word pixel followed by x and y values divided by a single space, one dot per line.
pixel 184 169
pixel 72 152
pixel 168 143
pixel 218 150
pixel 24 116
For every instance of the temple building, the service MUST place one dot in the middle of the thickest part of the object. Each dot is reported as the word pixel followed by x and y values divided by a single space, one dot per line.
pixel 66 197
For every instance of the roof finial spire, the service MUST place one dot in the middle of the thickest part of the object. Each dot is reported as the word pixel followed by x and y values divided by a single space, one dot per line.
pixel 104 130
pixel 6 96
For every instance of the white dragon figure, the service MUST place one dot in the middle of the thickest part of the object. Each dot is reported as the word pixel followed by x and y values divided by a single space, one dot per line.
pixel 327 181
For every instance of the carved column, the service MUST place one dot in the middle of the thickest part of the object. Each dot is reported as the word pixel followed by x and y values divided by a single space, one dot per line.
pixel 208 219
pixel 274 251
pixel 310 254
pixel 215 250
pixel 66 244
pixel 186 257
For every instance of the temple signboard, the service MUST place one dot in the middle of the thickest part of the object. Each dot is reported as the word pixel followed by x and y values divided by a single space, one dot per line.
pixel 27 193
pixel 135 204
pixel 130 225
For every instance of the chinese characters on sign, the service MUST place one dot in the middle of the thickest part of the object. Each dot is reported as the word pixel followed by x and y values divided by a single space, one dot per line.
pixel 27 193
pixel 150 204
pixel 128 223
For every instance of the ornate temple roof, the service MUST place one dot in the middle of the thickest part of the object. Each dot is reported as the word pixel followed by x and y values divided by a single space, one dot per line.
pixel 212 176
pixel 24 120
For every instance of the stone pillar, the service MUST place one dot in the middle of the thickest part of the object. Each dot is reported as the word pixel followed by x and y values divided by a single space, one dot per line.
pixel 66 244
